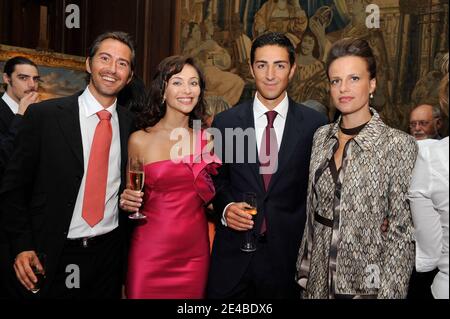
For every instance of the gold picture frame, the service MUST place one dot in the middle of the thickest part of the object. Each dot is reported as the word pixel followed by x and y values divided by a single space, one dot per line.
pixel 61 74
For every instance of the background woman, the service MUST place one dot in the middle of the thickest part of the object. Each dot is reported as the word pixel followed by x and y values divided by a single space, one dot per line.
pixel 310 80
pixel 169 250
pixel 360 172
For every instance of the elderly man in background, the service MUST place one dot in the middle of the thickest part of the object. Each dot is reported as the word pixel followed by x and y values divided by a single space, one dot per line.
pixel 425 122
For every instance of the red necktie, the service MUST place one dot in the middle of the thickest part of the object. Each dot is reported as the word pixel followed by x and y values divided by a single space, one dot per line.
pixel 268 156
pixel 97 172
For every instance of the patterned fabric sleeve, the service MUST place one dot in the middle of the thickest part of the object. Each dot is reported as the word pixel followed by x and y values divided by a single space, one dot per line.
pixel 399 257
pixel 303 261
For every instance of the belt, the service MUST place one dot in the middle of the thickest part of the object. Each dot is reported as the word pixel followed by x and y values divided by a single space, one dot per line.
pixel 86 242
pixel 322 220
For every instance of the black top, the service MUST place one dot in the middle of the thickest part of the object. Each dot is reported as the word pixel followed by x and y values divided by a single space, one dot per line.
pixel 353 130
pixel 346 131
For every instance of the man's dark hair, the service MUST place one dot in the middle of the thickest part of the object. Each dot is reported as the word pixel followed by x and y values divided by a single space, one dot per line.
pixel 115 35
pixel 353 47
pixel 10 65
pixel 273 38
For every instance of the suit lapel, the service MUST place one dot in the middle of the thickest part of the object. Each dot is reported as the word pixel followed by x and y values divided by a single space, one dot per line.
pixel 6 115
pixel 248 121
pixel 69 120
pixel 291 136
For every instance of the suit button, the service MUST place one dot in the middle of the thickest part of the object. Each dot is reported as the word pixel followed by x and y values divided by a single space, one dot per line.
pixel 69 204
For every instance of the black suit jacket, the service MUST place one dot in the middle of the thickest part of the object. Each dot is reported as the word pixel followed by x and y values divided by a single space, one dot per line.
pixel 9 126
pixel 283 205
pixel 41 183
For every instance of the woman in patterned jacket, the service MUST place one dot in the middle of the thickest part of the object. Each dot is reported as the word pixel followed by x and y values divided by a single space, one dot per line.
pixel 360 172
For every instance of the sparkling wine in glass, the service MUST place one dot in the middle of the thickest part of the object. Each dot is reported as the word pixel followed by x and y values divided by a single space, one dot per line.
pixel 249 244
pixel 136 178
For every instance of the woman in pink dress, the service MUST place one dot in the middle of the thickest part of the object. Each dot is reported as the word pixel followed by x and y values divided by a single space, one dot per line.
pixel 169 249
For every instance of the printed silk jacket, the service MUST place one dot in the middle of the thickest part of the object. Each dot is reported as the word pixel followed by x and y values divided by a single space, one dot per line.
pixel 343 252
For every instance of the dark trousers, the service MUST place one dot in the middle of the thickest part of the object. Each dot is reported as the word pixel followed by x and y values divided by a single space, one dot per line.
pixel 420 284
pixel 99 266
pixel 261 280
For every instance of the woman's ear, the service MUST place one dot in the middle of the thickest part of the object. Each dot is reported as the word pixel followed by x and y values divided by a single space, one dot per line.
pixel 372 85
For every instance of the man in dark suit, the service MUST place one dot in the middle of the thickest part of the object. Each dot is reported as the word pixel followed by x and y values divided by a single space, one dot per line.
pixel 283 130
pixel 21 80
pixel 60 191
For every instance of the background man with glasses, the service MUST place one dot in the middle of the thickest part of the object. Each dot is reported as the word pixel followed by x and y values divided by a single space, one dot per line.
pixel 425 122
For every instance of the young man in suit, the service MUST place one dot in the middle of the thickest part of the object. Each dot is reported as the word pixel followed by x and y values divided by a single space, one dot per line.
pixel 60 192
pixel 21 78
pixel 283 130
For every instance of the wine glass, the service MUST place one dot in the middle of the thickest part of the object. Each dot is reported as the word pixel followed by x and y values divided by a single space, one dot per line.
pixel 136 177
pixel 40 274
pixel 249 243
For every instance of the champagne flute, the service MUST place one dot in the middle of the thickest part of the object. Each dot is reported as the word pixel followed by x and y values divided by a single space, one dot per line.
pixel 249 243
pixel 136 178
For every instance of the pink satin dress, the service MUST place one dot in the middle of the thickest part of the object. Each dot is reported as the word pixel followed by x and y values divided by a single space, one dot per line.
pixel 169 252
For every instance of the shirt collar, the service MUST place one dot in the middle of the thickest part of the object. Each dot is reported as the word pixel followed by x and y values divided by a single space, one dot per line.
pixel 13 105
pixel 92 106
pixel 259 109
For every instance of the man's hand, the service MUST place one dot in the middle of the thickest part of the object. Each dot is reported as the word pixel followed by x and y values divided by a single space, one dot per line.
pixel 130 200
pixel 23 267
pixel 30 98
pixel 237 217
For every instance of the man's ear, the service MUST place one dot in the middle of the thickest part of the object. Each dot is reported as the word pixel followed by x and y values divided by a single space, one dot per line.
pixel 6 79
pixel 88 65
pixel 251 69
pixel 292 71
pixel 438 123
pixel 130 77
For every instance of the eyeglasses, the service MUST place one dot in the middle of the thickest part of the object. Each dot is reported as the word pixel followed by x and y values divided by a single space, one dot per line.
pixel 413 124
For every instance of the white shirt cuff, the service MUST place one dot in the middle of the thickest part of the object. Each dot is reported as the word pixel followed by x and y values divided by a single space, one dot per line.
pixel 223 220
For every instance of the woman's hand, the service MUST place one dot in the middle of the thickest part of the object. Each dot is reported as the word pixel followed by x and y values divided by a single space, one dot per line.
pixel 130 200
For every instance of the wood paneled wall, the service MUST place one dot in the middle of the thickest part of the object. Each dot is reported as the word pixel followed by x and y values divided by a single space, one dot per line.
pixel 150 22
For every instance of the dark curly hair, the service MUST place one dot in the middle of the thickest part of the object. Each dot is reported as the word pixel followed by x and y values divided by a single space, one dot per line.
pixel 155 109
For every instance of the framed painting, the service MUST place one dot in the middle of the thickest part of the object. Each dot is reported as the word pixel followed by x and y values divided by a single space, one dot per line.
pixel 61 74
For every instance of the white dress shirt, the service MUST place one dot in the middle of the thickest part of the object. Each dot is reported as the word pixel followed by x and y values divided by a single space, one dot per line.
pixel 88 107
pixel 429 200
pixel 260 119
pixel 11 103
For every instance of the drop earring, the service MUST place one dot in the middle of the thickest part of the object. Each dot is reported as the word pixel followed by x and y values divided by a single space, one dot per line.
pixel 371 95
